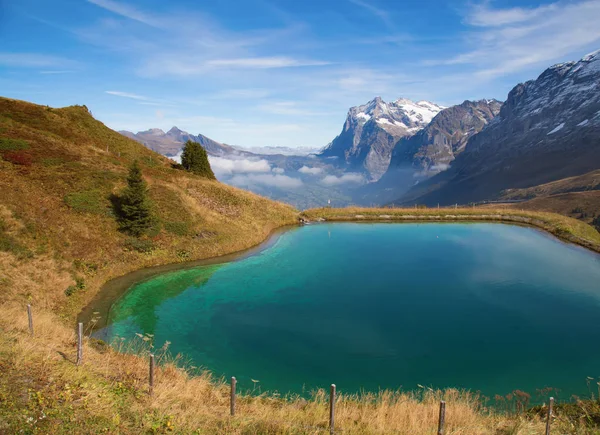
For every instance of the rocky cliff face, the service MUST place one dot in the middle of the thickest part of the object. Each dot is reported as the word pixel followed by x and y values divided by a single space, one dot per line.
pixel 372 130
pixel 547 129
pixel 430 150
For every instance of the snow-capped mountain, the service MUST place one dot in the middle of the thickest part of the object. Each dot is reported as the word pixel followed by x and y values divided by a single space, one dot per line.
pixel 431 150
pixel 372 130
pixel 547 129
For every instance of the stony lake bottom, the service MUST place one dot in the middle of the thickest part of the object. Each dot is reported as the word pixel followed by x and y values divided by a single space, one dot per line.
pixel 481 306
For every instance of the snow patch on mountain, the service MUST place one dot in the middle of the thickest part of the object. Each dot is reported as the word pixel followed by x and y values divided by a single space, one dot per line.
pixel 557 128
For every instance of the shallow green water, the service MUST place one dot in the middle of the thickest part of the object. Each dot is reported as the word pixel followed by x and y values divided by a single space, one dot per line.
pixel 487 307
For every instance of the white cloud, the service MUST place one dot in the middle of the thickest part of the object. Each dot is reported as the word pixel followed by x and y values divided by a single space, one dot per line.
pixel 128 95
pixel 509 40
pixel 263 62
pixel 350 177
pixel 278 170
pixel 290 108
pixel 482 15
pixel 274 180
pixel 311 171
pixel 223 166
pixel 33 60
pixel 127 11
pixel 382 14
pixel 241 94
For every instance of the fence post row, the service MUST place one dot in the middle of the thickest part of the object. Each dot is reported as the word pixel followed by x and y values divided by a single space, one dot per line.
pixel 549 417
pixel 442 418
pixel 332 392
pixel 332 409
pixel 151 375
pixel 79 343
pixel 232 399
pixel 30 317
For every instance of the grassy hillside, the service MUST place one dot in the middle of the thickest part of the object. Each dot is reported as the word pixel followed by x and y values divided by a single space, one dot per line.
pixel 577 197
pixel 58 170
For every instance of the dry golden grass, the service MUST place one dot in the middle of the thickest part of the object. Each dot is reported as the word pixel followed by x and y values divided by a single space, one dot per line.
pixel 57 170
pixel 109 393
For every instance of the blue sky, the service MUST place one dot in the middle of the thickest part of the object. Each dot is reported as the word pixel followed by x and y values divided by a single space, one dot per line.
pixel 277 72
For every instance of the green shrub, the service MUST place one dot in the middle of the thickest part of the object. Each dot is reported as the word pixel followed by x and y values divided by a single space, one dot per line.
pixel 182 254
pixel 596 222
pixel 79 286
pixel 177 228
pixel 7 144
pixel 87 201
pixel 139 245
pixel 52 161
pixel 10 244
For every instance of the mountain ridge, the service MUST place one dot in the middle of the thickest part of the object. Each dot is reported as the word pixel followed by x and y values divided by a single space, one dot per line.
pixel 371 131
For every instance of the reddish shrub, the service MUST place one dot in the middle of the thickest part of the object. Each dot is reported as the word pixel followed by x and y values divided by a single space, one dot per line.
pixel 18 158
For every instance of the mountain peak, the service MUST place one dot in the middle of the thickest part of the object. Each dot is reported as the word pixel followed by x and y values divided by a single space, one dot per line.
pixel 154 132
pixel 595 55
pixel 175 130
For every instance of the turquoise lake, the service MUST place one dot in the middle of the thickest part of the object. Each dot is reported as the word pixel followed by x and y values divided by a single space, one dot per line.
pixel 482 306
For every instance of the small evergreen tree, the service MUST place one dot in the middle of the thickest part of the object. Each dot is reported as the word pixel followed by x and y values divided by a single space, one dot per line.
pixel 194 159
pixel 134 206
pixel 596 222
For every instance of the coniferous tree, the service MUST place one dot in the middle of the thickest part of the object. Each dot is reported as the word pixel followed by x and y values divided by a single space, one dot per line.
pixel 194 159
pixel 135 209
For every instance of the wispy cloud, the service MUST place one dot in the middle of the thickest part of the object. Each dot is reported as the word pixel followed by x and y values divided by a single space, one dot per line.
pixel 128 95
pixel 264 62
pixel 127 11
pixel 290 108
pixel 33 60
pixel 382 14
pixel 509 40
pixel 58 71
pixel 484 16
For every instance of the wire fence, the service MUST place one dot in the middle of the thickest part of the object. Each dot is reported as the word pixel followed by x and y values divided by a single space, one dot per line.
pixel 331 427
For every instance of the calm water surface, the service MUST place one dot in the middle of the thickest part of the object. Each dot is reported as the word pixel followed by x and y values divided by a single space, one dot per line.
pixel 487 307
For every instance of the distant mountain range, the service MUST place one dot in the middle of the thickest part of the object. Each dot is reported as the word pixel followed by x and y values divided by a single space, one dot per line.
pixel 171 142
pixel 407 152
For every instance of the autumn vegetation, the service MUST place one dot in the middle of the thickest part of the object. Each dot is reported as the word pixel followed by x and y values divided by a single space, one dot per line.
pixel 70 189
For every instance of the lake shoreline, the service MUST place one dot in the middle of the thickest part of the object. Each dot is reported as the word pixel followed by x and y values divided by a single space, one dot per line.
pixel 532 219
pixel 115 288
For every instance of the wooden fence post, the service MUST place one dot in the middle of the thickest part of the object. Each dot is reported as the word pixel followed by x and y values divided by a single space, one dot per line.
pixel 549 417
pixel 332 409
pixel 442 418
pixel 79 344
pixel 151 375
pixel 232 400
pixel 30 316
